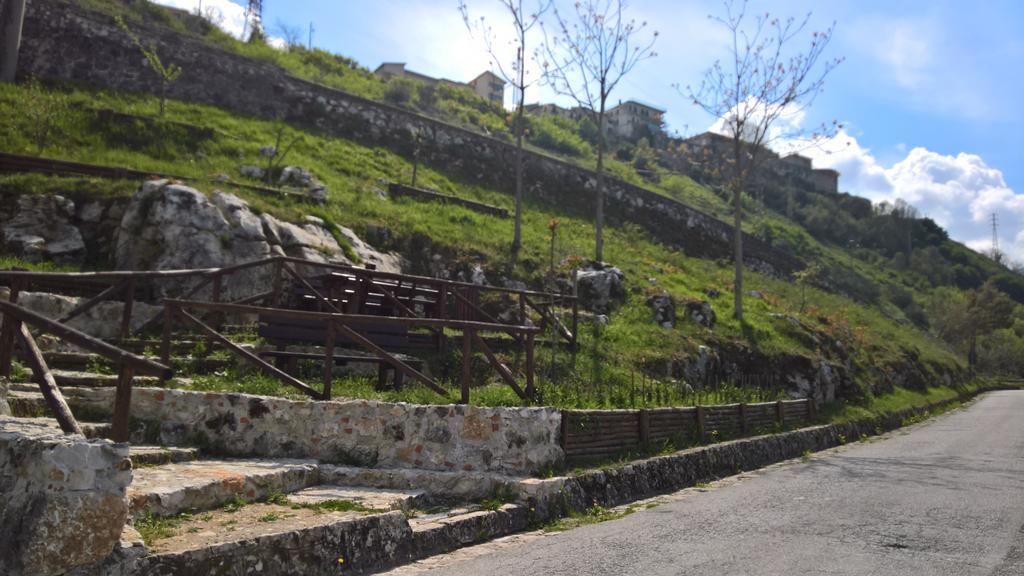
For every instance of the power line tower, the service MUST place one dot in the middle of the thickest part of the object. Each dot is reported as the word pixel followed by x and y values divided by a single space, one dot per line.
pixel 253 20
pixel 995 236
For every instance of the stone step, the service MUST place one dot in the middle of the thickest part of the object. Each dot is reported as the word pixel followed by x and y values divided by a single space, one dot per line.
pixel 92 380
pixel 210 483
pixel 441 533
pixel 369 498
pixel 82 362
pixel 143 456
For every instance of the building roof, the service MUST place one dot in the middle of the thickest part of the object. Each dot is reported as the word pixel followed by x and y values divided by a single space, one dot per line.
pixel 492 75
pixel 651 107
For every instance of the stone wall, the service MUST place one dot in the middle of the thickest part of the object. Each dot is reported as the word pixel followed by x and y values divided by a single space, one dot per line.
pixel 62 498
pixel 452 437
pixel 67 42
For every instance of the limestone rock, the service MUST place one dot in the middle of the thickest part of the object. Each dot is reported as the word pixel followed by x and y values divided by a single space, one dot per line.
pixel 169 226
pixel 296 176
pixel 102 320
pixel 701 313
pixel 251 171
pixel 664 308
pixel 42 229
pixel 600 286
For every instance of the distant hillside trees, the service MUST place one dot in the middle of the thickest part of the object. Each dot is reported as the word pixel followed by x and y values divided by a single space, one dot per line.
pixel 760 83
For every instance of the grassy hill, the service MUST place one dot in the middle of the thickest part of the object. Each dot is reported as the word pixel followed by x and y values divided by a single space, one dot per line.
pixel 863 309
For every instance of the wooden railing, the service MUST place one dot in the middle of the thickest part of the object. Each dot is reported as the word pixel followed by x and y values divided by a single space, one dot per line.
pixel 445 305
pixel 16 320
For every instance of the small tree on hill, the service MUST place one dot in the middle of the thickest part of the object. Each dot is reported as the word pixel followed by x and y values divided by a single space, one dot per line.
pixel 762 82
pixel 167 74
pixel 515 74
pixel 585 60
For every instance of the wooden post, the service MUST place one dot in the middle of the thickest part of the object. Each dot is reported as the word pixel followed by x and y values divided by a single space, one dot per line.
pixel 442 301
pixel 122 404
pixel 645 428
pixel 467 354
pixel 8 330
pixel 126 312
pixel 329 360
pixel 530 366
pixel 565 429
pixel 701 418
pixel 165 344
pixel 743 417
pixel 812 409
pixel 275 299
pixel 780 413
pixel 522 309
pixel 575 314
pixel 47 384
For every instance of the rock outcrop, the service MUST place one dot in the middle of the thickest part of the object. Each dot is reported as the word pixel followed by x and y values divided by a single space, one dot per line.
pixel 41 229
pixel 701 313
pixel 600 287
pixel 663 306
pixel 169 226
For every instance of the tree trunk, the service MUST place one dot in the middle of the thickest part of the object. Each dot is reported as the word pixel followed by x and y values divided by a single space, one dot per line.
pixel 517 233
pixel 737 199
pixel 12 17
pixel 599 225
pixel 738 252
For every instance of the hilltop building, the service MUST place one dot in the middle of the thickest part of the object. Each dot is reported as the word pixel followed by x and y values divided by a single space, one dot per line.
pixel 710 153
pixel 633 119
pixel 487 85
pixel 629 120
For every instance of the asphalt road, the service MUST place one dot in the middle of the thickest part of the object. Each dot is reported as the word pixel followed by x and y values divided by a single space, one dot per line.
pixel 945 497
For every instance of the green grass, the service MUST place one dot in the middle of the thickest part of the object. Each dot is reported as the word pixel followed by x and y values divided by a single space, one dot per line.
pixel 152 527
pixel 622 364
pixel 595 514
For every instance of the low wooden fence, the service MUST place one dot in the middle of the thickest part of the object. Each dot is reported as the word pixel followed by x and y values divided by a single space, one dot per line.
pixel 596 434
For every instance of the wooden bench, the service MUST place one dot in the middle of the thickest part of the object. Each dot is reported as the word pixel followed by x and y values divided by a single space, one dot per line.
pixel 289 360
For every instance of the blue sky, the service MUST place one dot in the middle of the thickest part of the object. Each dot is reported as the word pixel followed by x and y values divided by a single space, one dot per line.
pixel 930 92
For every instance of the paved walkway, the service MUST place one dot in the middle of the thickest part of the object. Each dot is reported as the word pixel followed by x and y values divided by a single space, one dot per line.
pixel 945 497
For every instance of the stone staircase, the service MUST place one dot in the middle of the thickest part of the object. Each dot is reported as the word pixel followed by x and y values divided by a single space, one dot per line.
pixel 191 511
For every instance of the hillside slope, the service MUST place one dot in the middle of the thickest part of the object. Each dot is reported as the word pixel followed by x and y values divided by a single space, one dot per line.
pixel 858 327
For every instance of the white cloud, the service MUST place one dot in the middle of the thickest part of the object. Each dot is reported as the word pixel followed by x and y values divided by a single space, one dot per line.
pixel 959 192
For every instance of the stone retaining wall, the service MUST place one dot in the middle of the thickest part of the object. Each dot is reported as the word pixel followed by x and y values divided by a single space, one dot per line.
pixel 68 42
pixel 368 433
pixel 62 498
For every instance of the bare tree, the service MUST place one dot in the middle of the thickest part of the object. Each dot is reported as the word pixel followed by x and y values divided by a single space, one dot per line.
pixel 292 35
pixel 585 59
pixel 515 74
pixel 167 74
pixel 763 81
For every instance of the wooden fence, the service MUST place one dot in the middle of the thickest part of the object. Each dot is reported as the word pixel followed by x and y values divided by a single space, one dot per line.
pixel 596 434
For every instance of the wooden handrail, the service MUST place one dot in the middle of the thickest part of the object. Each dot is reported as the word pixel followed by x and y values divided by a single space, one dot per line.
pixel 353 318
pixel 85 341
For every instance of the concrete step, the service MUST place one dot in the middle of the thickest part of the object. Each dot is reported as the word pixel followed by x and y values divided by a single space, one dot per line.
pixel 92 380
pixel 441 533
pixel 210 483
pixel 143 456
pixel 369 498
